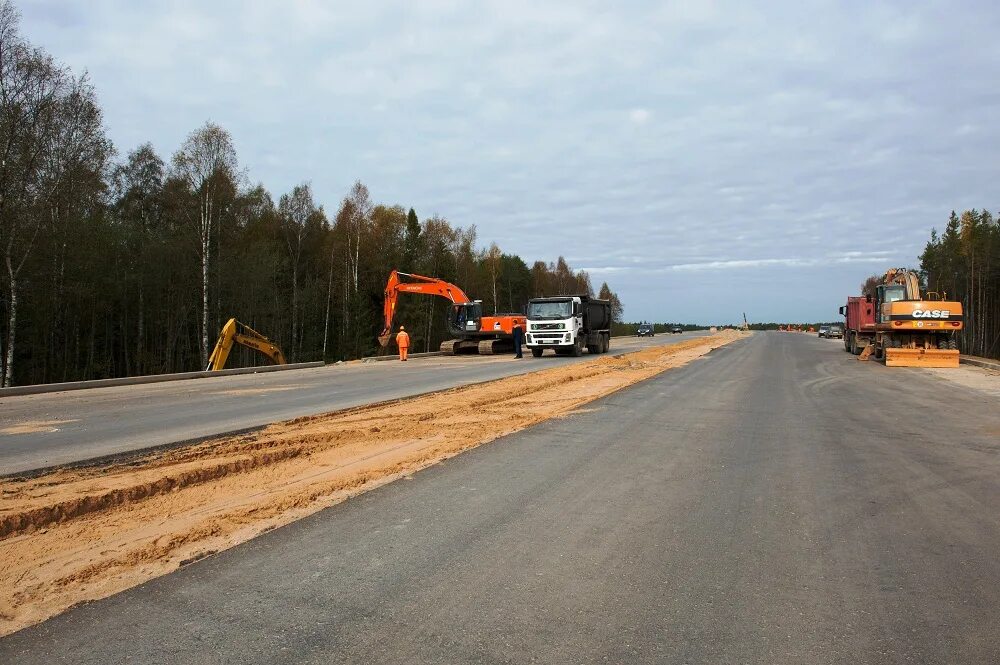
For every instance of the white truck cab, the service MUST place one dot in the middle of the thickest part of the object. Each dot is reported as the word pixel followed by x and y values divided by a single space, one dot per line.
pixel 567 324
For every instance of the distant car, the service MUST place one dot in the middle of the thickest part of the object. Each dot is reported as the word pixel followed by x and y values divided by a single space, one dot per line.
pixel 676 330
pixel 823 330
pixel 835 331
pixel 645 330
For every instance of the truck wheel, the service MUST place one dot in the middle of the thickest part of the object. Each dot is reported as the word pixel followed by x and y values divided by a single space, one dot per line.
pixel 537 353
pixel 847 342
pixel 577 349
pixel 605 343
pixel 953 344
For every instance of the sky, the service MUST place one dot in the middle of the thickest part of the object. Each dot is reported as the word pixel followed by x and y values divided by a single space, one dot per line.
pixel 704 158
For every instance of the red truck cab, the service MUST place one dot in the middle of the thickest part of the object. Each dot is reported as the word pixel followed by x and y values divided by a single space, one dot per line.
pixel 859 324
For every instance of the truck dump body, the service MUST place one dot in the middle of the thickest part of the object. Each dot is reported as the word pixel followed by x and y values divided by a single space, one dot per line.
pixel 597 314
pixel 859 323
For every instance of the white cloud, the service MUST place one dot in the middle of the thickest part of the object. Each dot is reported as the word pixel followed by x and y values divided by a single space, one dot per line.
pixel 639 116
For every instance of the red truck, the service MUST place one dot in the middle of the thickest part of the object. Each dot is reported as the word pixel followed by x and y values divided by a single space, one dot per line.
pixel 859 324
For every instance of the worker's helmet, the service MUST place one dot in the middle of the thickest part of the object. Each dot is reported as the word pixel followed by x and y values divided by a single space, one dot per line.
pixel 401 328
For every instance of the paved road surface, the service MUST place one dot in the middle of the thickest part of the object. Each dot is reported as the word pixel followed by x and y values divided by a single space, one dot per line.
pixel 775 502
pixel 80 425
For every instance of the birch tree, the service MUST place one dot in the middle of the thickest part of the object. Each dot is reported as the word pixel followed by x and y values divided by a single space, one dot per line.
pixel 203 160
pixel 50 126
pixel 494 263
pixel 294 213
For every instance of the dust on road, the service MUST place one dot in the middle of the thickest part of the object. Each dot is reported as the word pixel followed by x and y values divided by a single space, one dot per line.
pixel 35 427
pixel 73 535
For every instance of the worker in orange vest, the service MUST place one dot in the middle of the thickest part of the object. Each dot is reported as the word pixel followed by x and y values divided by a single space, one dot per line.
pixel 403 342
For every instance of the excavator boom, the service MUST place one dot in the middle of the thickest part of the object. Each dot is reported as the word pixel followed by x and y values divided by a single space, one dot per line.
pixel 235 332
pixel 418 284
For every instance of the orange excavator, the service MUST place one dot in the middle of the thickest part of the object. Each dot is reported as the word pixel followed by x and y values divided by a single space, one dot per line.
pixel 473 332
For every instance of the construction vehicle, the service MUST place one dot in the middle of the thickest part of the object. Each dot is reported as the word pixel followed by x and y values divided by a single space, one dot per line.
pixel 914 329
pixel 859 323
pixel 568 324
pixel 235 332
pixel 473 331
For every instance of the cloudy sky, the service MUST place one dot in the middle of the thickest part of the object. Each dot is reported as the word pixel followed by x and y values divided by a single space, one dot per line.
pixel 705 158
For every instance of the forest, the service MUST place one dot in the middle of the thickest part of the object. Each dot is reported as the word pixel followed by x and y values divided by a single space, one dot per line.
pixel 119 265
pixel 963 264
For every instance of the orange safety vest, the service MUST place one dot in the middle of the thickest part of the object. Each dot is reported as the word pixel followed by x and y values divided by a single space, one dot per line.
pixel 403 340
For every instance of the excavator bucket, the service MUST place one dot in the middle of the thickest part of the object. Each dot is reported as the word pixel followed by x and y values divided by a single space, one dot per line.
pixel 383 340
pixel 921 358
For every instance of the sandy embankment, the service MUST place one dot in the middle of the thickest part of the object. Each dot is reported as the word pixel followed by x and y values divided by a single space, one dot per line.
pixel 80 534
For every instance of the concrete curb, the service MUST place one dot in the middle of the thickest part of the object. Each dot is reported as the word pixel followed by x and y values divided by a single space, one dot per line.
pixel 980 362
pixel 395 356
pixel 156 378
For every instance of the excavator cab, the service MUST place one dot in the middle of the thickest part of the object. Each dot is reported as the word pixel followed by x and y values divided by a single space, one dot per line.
pixel 886 294
pixel 466 317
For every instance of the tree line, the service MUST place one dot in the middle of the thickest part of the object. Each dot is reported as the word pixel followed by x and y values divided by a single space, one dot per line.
pixel 963 262
pixel 124 266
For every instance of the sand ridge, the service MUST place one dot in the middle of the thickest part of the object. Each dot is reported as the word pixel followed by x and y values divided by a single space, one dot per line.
pixel 78 534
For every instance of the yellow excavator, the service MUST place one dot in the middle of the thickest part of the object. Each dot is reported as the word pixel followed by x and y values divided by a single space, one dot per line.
pixel 235 332
pixel 914 329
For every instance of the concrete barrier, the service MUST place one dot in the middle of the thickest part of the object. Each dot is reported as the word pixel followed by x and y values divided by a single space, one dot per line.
pixel 395 356
pixel 155 378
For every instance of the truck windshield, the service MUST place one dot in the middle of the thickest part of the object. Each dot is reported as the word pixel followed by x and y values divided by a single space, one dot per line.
pixel 561 309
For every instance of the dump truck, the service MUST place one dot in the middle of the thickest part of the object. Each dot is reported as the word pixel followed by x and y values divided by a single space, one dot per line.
pixel 474 332
pixel 914 329
pixel 568 324
pixel 859 323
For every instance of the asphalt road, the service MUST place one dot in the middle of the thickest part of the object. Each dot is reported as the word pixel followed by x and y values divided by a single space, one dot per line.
pixel 775 502
pixel 38 431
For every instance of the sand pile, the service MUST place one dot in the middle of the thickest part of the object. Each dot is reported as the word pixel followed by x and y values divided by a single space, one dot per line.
pixel 80 534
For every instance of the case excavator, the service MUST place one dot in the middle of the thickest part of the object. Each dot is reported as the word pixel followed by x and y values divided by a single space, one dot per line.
pixel 914 329
pixel 235 332
pixel 474 332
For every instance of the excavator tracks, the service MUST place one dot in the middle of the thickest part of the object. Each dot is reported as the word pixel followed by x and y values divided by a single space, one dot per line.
pixel 485 347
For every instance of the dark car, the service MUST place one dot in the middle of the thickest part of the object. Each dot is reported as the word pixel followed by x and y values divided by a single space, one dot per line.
pixel 676 330
pixel 645 330
pixel 835 331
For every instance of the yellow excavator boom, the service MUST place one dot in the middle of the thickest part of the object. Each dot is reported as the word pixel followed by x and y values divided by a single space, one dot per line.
pixel 235 332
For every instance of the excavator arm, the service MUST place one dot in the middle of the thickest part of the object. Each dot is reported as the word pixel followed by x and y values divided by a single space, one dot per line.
pixel 235 332
pixel 414 284
pixel 907 278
